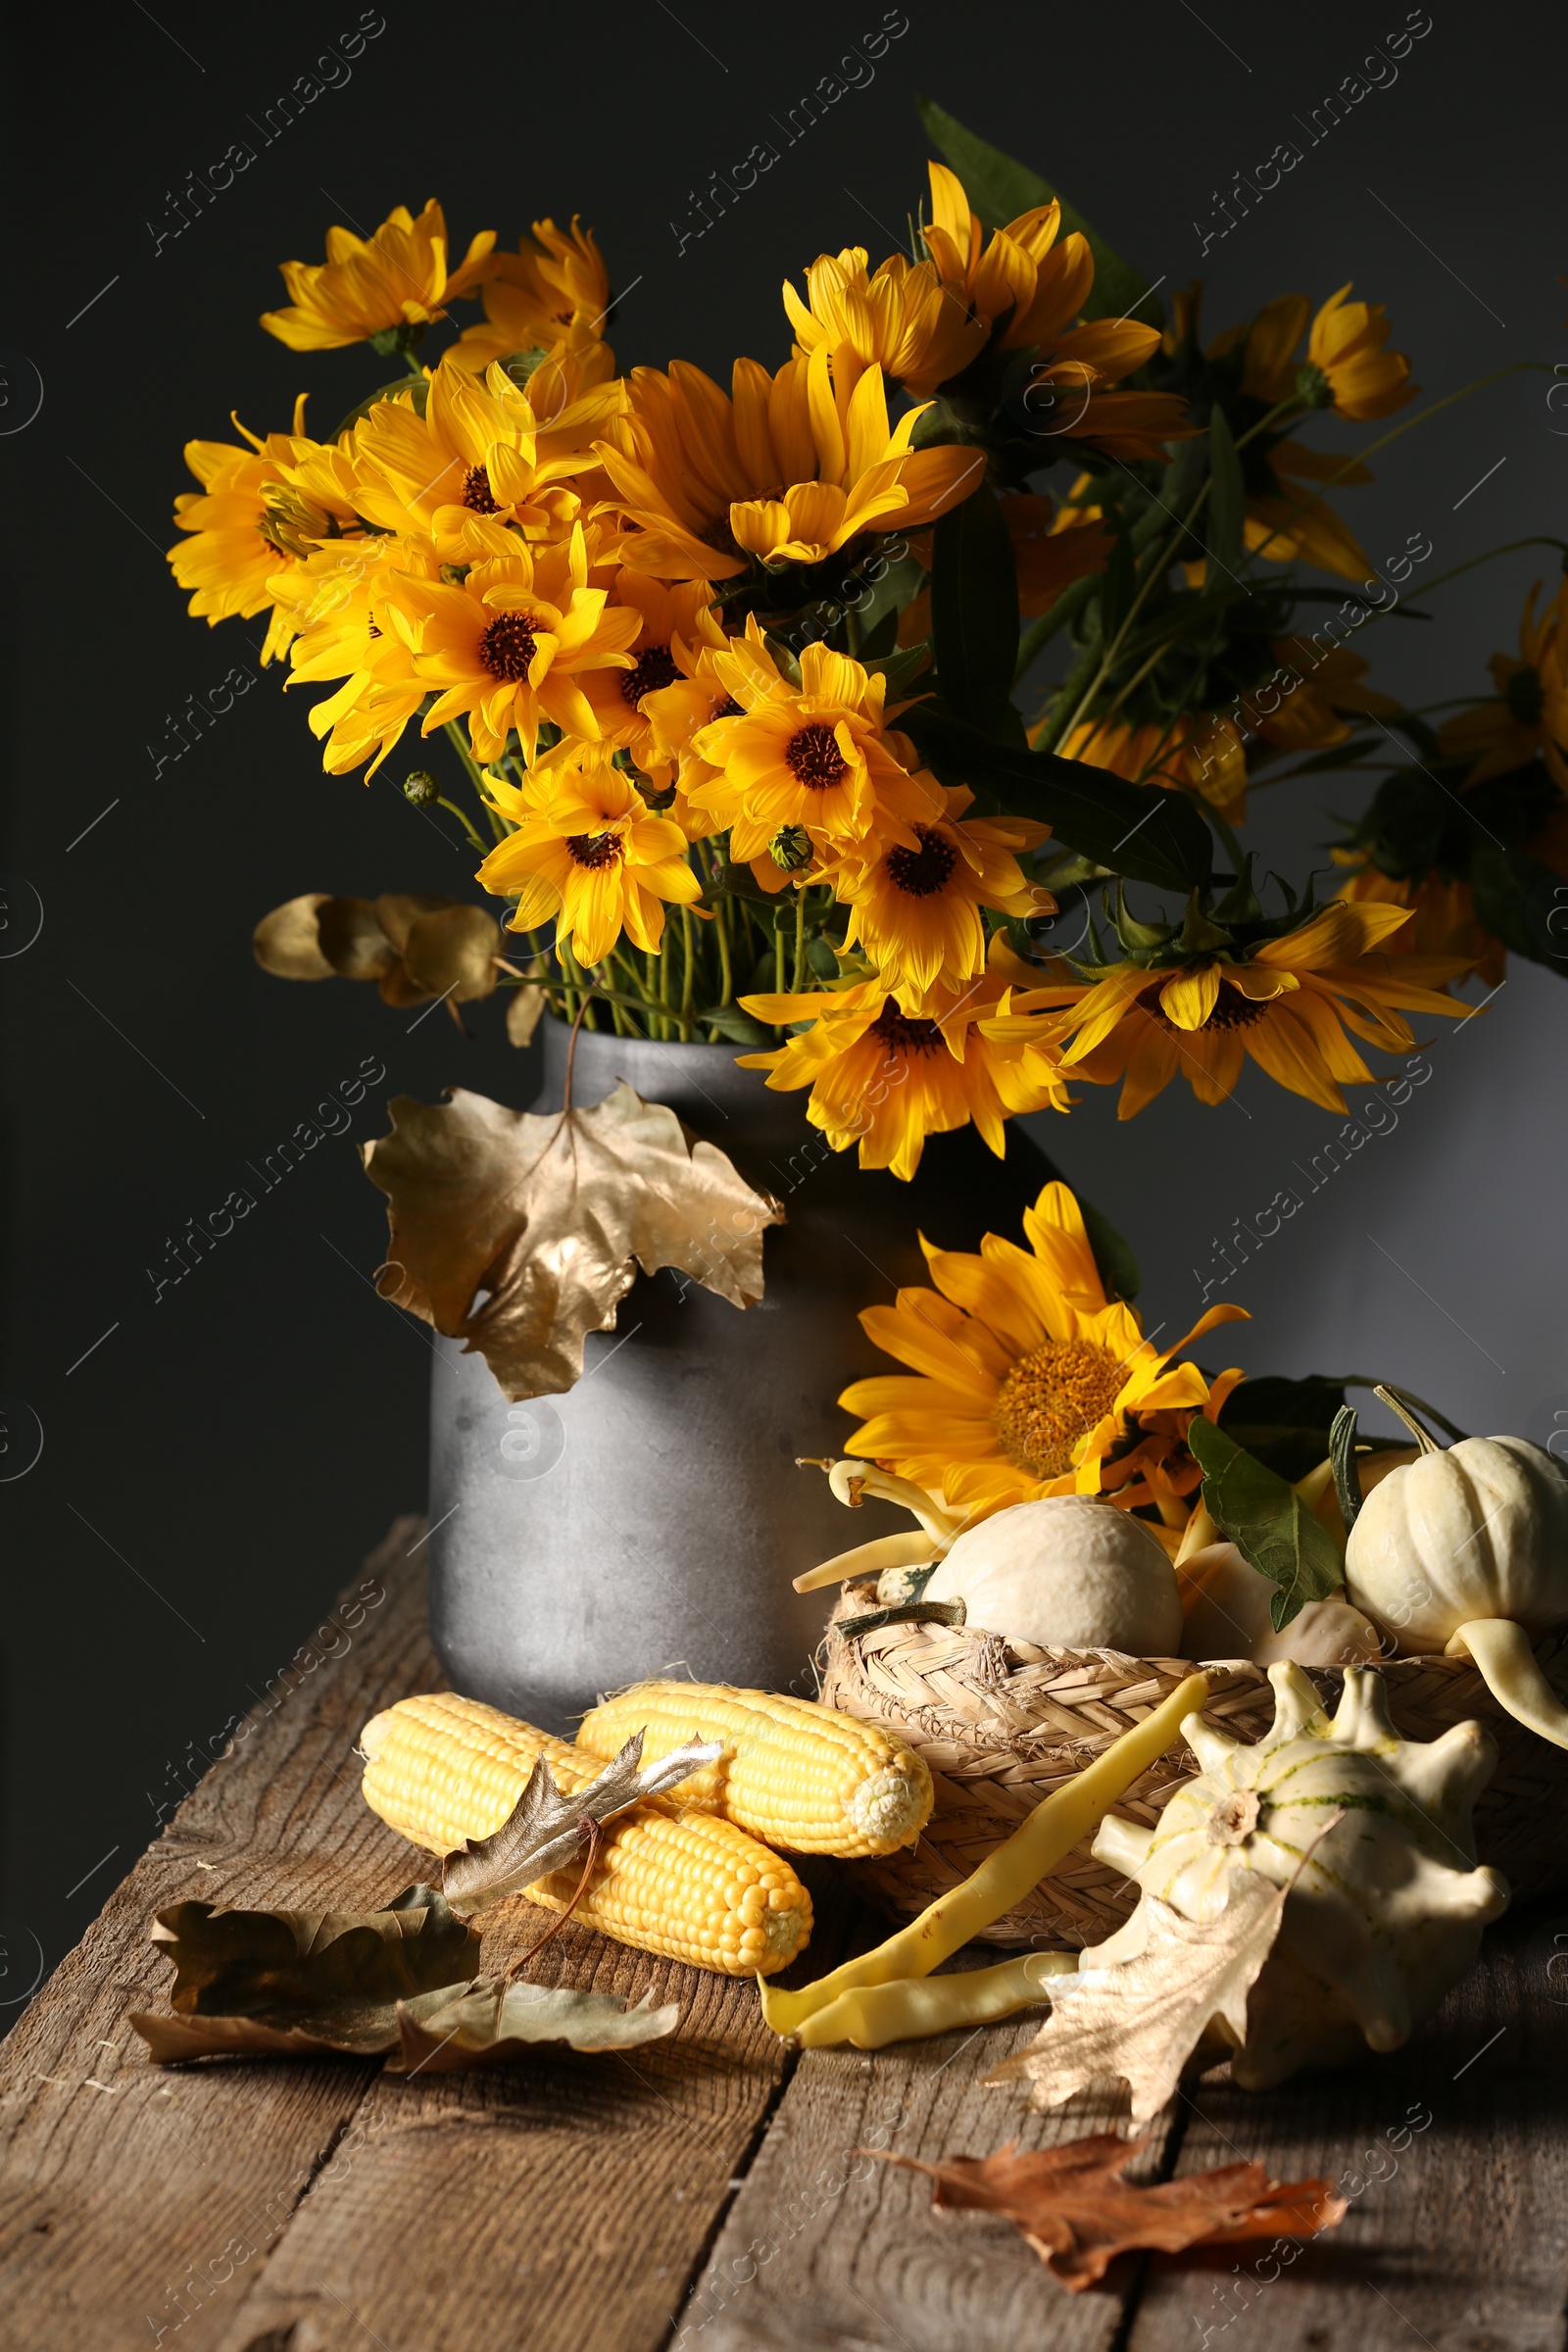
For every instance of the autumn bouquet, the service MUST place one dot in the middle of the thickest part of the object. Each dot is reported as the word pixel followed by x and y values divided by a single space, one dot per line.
pixel 798 714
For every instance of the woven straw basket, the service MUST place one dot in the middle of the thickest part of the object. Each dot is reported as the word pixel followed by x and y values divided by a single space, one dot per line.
pixel 1002 1724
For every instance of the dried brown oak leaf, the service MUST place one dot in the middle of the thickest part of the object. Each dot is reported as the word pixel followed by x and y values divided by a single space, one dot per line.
pixel 305 1981
pixel 484 2023
pixel 1077 2211
pixel 550 1218
pixel 1141 2003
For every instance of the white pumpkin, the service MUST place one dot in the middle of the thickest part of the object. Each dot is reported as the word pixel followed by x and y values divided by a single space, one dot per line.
pixel 1474 1529
pixel 1227 1613
pixel 1384 1909
pixel 1068 1572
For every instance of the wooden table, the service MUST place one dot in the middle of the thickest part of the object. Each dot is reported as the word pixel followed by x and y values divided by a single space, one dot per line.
pixel 708 2196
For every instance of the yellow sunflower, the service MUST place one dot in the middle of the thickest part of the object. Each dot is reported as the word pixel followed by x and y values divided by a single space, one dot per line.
pixel 787 470
pixel 1030 1382
pixel 477 450
pixel 1200 752
pixel 917 911
pixel 554 288
pixel 367 286
pixel 886 1081
pixel 250 524
pixel 347 630
pixel 589 853
pixel 510 645
pixel 1311 717
pixel 1529 720
pixel 670 615
pixel 925 323
pixel 1287 1006
pixel 816 756
pixel 1442 915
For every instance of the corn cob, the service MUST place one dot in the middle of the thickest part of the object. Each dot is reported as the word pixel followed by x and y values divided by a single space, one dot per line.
pixel 798 1775
pixel 668 1879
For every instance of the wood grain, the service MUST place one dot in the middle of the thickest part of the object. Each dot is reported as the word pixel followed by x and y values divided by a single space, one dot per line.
pixel 254 2204
pixel 833 2247
pixel 1462 2242
pixel 569 2204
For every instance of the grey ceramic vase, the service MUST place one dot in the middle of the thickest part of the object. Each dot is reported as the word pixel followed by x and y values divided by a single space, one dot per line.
pixel 653 1516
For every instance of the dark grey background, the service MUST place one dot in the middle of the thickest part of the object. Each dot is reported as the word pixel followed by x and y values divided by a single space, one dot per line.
pixel 216 1467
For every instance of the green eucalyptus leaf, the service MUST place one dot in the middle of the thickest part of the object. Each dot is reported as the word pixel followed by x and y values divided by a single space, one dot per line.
pixel 1139 830
pixel 975 608
pixel 736 1026
pixel 1268 1521
pixel 999 189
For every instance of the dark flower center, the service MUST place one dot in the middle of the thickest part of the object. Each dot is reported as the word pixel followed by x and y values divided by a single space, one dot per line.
pixel 477 491
pixel 900 1035
pixel 655 668
pixel 923 871
pixel 729 707
pixel 508 647
pixel 595 849
pixel 814 759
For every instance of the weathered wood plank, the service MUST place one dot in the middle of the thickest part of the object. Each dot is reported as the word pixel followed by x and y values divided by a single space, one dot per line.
pixel 120 2183
pixel 227 2205
pixel 824 2247
pixel 1457 2233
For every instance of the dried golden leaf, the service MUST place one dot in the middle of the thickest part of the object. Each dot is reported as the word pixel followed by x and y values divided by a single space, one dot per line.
pixel 398 911
pixel 1141 2003
pixel 543 1831
pixel 304 1980
pixel 352 939
pixel 488 2022
pixel 524 1011
pixel 552 1219
pixel 1077 2211
pixel 452 953
pixel 287 942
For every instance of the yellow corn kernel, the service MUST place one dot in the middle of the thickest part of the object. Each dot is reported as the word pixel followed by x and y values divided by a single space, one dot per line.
pixel 669 1878
pixel 803 1776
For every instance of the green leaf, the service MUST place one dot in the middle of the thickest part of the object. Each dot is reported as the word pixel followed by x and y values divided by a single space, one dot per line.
pixel 1341 1454
pixel 1522 902
pixel 1227 496
pixel 736 1026
pixel 999 189
pixel 975 608
pixel 419 386
pixel 1284 1423
pixel 901 667
pixel 1267 1522
pixel 1114 1262
pixel 1139 830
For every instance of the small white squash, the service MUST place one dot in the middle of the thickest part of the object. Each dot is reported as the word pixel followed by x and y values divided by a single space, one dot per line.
pixel 1370 1833
pixel 1474 1529
pixel 1465 1551
pixel 1227 1609
pixel 1068 1572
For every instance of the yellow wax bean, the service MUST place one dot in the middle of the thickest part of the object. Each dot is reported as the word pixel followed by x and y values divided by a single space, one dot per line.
pixel 911 1551
pixel 1003 1878
pixel 912 2006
